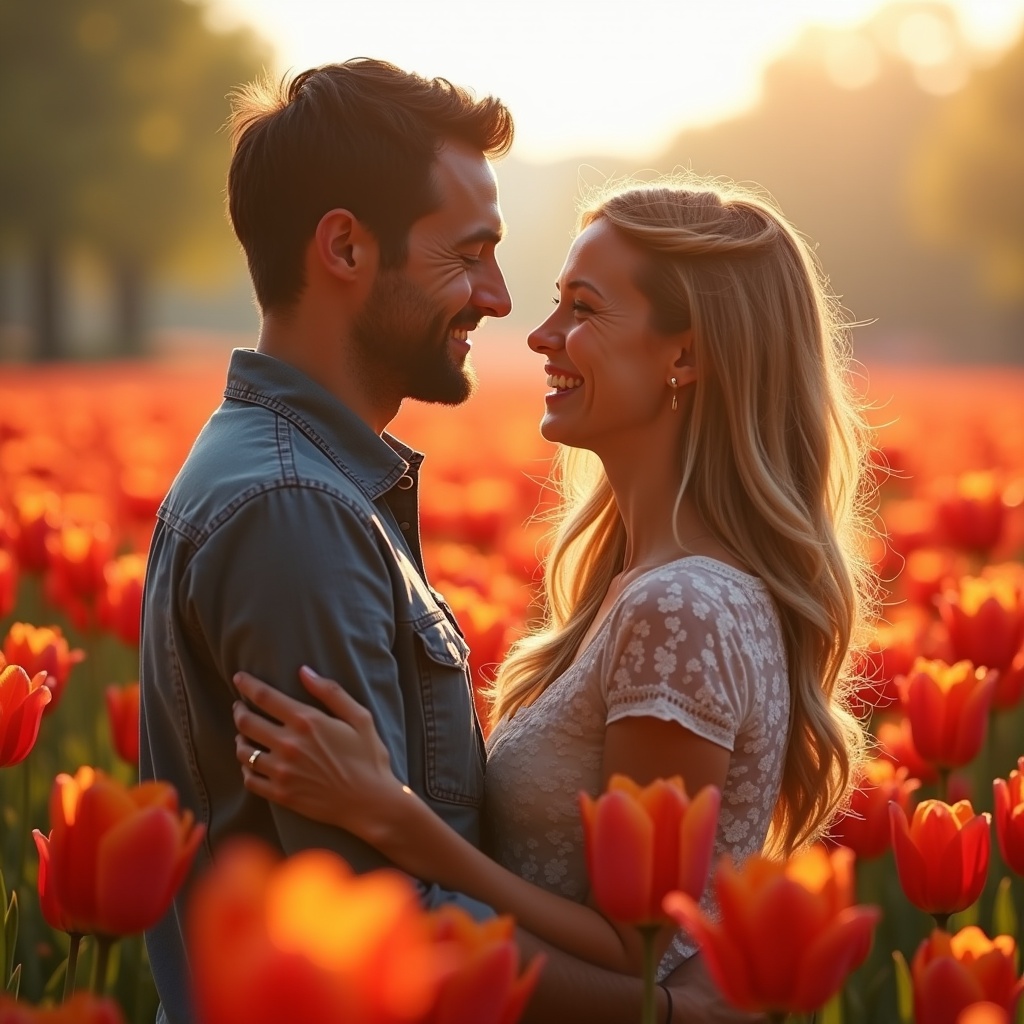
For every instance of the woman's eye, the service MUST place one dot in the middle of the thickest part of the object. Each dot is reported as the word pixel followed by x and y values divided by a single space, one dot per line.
pixel 580 308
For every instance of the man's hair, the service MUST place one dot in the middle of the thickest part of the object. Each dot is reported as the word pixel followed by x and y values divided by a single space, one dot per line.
pixel 361 136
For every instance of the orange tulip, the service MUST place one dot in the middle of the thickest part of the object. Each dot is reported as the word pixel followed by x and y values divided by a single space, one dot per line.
pixel 897 744
pixel 984 1013
pixel 121 599
pixel 37 515
pixel 865 828
pixel 948 707
pixel 305 939
pixel 123 715
pixel 78 555
pixel 644 842
pixel 486 987
pixel 984 616
pixel 788 935
pixel 1009 815
pixel 971 511
pixel 22 702
pixel 42 649
pixel 941 855
pixel 8 583
pixel 951 972
pixel 53 912
pixel 117 854
pixel 81 1008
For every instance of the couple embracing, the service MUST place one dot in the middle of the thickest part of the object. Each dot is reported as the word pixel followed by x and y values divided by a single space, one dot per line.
pixel 301 680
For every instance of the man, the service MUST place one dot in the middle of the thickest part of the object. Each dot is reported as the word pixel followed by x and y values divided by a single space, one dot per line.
pixel 366 205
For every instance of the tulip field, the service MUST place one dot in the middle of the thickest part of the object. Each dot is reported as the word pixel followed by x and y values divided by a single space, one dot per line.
pixel 911 911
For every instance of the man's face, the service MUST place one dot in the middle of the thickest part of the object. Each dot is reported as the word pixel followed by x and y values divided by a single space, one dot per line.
pixel 415 324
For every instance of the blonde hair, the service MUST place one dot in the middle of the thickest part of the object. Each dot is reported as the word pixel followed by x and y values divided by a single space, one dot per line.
pixel 775 446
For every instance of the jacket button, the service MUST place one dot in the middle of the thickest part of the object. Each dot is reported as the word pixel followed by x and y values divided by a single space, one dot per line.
pixel 404 526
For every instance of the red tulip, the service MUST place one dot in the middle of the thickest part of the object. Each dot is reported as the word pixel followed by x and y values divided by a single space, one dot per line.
pixel 305 939
pixel 8 583
pixel 81 1008
pixel 947 706
pixel 22 702
pixel 971 511
pixel 941 855
pixel 123 715
pixel 486 987
pixel 789 934
pixel 42 649
pixel 952 972
pixel 896 743
pixel 984 1013
pixel 78 555
pixel 121 599
pixel 117 854
pixel 644 842
pixel 865 828
pixel 53 912
pixel 37 515
pixel 1009 815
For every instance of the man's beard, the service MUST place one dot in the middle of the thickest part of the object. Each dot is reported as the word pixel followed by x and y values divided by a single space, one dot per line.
pixel 403 340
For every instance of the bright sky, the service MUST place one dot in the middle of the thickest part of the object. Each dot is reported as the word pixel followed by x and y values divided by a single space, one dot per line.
pixel 582 76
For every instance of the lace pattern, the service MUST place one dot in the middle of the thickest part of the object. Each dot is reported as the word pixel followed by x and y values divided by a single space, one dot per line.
pixel 695 642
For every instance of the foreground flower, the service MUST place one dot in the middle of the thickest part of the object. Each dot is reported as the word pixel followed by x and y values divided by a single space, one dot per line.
pixel 486 987
pixel 1009 816
pixel 81 1008
pixel 941 855
pixel 42 649
pixel 952 972
pixel 984 1013
pixel 22 702
pixel 948 707
pixel 645 842
pixel 789 934
pixel 123 715
pixel 53 912
pixel 865 828
pixel 305 939
pixel 117 853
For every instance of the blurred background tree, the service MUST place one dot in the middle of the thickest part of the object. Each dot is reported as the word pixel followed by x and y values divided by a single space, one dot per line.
pixel 110 112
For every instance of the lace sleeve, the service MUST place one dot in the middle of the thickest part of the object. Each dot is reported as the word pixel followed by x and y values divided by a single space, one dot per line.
pixel 673 655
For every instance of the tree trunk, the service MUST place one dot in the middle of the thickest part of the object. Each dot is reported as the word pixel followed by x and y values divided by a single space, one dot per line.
pixel 47 326
pixel 129 306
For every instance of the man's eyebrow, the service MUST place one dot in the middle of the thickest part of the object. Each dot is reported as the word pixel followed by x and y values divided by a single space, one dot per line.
pixel 484 235
pixel 580 282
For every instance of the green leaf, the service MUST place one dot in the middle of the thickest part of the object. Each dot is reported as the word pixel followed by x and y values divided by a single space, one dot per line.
pixel 832 1011
pixel 15 981
pixel 10 935
pixel 904 988
pixel 1004 913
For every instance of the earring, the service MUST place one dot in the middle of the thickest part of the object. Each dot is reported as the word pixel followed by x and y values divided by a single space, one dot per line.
pixel 674 383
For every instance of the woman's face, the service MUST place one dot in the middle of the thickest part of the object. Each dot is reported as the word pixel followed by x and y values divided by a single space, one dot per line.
pixel 608 368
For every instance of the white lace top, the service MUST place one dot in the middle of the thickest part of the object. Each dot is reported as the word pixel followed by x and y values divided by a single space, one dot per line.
pixel 696 642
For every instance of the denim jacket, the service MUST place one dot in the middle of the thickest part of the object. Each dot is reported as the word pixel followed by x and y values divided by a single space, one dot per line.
pixel 291 537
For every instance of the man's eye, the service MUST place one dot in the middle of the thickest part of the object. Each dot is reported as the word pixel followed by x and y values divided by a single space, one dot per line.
pixel 580 307
pixel 470 258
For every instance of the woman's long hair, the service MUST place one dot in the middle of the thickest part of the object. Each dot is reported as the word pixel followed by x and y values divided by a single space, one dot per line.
pixel 775 445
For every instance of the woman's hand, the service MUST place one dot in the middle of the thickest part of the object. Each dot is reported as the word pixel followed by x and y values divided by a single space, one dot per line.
pixel 329 767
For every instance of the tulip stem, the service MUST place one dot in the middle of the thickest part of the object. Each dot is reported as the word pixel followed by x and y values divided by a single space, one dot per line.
pixel 942 921
pixel 650 1008
pixel 72 968
pixel 104 943
pixel 26 810
pixel 944 784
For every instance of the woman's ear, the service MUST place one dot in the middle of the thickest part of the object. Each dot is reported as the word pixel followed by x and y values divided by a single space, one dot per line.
pixel 683 367
pixel 344 247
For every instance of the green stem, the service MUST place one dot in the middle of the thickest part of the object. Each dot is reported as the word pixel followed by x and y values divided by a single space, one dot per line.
pixel 944 784
pixel 72 970
pixel 26 809
pixel 104 944
pixel 942 921
pixel 649 1014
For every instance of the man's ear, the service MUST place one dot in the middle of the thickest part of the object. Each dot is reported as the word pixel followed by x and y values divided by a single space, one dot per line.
pixel 345 248
pixel 683 368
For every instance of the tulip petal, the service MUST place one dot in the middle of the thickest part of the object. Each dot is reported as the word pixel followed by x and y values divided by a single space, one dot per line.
pixel 623 843
pixel 943 989
pixel 830 959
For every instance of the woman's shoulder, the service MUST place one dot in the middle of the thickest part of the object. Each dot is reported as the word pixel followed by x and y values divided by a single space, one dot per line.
pixel 695 577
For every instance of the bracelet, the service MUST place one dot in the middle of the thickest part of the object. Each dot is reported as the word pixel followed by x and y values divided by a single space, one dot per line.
pixel 668 995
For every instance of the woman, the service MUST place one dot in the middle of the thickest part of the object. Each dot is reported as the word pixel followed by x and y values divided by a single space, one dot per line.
pixel 703 591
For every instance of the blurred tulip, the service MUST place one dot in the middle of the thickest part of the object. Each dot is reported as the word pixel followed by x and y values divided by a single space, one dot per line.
pixel 984 1013
pixel 78 555
pixel 865 827
pixel 123 715
pixel 970 511
pixel 121 599
pixel 42 649
pixel 117 854
pixel 788 935
pixel 644 842
pixel 486 987
pixel 1009 817
pixel 951 972
pixel 81 1008
pixel 947 707
pixel 8 583
pixel 927 571
pixel 36 515
pixel 941 855
pixel 984 617
pixel 897 744
pixel 304 939
pixel 22 702
pixel 891 653
pixel 53 912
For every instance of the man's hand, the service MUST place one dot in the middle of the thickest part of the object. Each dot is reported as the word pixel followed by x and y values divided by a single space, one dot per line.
pixel 696 999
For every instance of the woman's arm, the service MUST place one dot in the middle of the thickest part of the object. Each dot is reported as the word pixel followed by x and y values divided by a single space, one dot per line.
pixel 337 770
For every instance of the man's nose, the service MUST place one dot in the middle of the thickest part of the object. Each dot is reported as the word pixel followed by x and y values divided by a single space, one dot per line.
pixel 491 293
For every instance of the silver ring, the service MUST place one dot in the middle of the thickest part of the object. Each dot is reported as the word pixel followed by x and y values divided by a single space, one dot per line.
pixel 252 757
